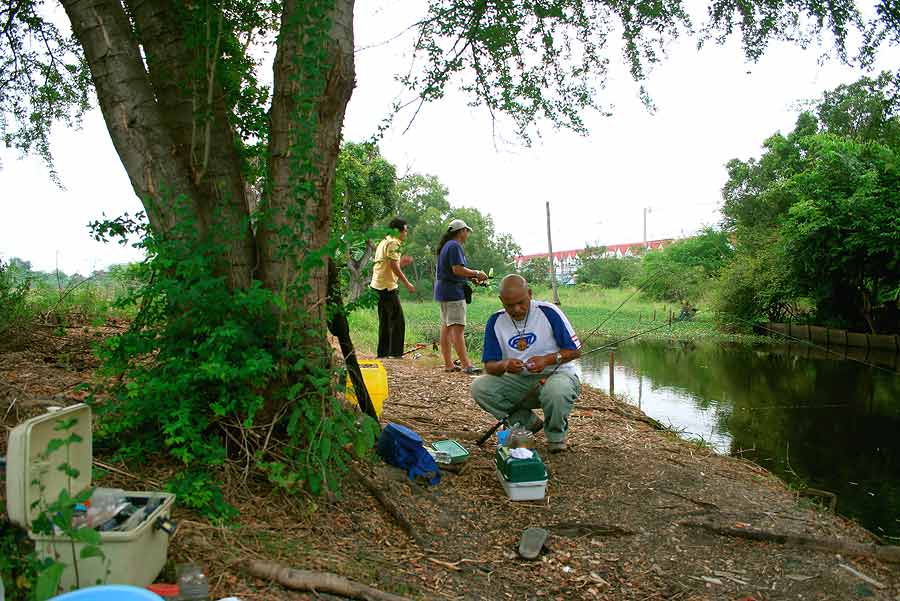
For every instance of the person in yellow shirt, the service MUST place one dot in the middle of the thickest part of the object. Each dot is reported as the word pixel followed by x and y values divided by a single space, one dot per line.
pixel 387 272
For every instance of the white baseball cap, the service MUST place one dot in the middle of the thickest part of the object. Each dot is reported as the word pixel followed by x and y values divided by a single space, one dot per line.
pixel 458 224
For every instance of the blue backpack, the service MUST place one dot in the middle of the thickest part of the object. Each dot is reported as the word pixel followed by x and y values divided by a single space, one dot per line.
pixel 401 447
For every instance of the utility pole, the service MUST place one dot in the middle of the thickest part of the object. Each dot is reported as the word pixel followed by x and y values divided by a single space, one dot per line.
pixel 646 210
pixel 552 264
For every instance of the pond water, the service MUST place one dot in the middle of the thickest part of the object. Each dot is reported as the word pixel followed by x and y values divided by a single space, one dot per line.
pixel 812 418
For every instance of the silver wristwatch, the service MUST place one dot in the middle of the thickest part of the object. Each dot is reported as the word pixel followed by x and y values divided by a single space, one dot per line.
pixel 558 357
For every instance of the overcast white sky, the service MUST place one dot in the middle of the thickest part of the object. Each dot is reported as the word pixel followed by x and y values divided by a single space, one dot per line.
pixel 712 107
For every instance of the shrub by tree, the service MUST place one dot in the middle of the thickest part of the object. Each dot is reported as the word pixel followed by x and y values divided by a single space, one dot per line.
pixel 757 285
pixel 13 300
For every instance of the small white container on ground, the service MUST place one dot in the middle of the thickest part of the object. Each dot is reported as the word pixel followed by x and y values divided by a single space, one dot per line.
pixel 534 490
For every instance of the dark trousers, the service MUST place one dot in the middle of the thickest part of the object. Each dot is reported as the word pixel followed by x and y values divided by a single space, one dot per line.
pixel 391 325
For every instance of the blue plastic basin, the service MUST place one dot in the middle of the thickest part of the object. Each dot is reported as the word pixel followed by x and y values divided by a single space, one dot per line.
pixel 113 592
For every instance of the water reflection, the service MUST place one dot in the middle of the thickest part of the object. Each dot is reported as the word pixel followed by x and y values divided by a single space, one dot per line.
pixel 804 414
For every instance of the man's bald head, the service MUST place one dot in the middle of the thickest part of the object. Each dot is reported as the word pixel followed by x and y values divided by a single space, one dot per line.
pixel 515 296
pixel 512 283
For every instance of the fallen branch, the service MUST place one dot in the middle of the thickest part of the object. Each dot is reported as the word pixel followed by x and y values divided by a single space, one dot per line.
pixel 450 565
pixel 862 576
pixel 392 509
pixel 326 582
pixel 886 553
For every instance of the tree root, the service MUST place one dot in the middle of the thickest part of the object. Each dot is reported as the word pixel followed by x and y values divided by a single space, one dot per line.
pixel 885 553
pixel 326 582
pixel 576 529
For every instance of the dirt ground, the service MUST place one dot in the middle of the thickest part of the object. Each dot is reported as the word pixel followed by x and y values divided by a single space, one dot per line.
pixel 617 506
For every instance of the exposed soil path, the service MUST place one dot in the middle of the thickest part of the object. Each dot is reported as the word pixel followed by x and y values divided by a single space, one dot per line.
pixel 615 507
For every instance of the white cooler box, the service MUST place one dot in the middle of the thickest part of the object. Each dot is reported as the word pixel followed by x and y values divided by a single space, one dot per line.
pixel 133 557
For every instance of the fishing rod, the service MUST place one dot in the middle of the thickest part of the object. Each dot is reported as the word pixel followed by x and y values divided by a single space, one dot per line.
pixel 814 345
pixel 541 382
pixel 632 337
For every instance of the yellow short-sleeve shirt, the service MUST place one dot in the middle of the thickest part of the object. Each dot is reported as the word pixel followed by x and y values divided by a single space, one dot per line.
pixel 383 277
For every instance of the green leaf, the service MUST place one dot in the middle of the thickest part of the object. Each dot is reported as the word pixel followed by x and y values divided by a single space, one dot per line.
pixel 65 424
pixel 92 551
pixel 54 445
pixel 47 584
pixel 88 536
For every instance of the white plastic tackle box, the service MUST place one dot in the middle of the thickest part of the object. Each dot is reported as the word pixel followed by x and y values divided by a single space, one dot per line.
pixel 534 490
pixel 133 557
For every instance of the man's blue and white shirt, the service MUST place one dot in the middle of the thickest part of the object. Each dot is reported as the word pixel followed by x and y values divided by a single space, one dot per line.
pixel 546 330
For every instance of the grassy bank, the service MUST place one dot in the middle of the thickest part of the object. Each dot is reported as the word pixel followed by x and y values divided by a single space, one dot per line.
pixel 585 307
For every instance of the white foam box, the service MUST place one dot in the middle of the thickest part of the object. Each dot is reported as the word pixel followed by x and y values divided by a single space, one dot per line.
pixel 134 557
pixel 533 490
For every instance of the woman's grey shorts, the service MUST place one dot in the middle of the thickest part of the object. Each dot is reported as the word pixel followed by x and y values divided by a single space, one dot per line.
pixel 453 313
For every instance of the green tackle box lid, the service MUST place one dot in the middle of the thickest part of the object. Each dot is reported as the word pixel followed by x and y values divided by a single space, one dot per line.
pixel 457 452
pixel 520 470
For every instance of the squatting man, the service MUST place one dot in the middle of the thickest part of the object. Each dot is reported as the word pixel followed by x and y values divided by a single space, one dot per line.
pixel 524 343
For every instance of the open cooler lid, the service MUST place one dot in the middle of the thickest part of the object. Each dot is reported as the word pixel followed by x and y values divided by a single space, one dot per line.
pixel 31 472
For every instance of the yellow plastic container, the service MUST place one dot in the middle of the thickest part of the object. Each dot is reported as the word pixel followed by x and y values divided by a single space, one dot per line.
pixel 375 376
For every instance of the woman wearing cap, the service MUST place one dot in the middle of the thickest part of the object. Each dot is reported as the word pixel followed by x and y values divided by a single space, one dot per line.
pixel 449 291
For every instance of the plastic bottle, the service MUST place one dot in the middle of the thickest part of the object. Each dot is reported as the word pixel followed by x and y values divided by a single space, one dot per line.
pixel 105 503
pixel 192 583
pixel 501 437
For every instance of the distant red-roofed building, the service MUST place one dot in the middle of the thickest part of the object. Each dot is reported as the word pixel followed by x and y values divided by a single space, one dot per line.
pixel 567 262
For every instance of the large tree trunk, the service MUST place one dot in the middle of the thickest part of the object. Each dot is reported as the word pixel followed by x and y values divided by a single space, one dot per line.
pixel 170 120
pixel 314 78
pixel 193 107
pixel 128 103
pixel 185 169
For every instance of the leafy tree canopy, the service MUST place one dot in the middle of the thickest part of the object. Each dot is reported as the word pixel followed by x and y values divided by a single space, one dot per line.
pixel 536 271
pixel 425 206
pixel 821 206
pixel 366 191
pixel 365 187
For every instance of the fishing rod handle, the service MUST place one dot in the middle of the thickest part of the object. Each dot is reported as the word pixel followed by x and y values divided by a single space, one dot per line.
pixel 487 434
